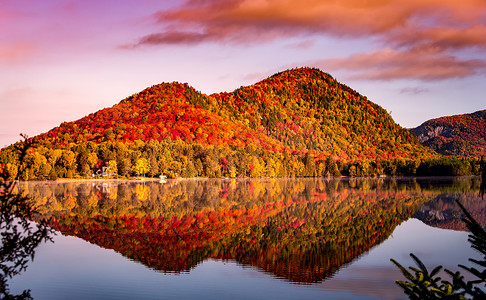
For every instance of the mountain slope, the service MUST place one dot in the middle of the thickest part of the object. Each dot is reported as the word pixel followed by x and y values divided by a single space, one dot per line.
pixel 307 109
pixel 300 122
pixel 463 135
pixel 301 109
pixel 161 111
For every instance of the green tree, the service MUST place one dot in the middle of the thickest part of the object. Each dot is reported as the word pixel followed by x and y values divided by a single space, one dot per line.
pixel 309 165
pixel 190 170
pixel 331 167
pixel 124 166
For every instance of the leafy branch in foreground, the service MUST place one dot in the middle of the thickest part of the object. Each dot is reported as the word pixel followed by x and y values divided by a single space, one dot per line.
pixel 19 235
pixel 422 284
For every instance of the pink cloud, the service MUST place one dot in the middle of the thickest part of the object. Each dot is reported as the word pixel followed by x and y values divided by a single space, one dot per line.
pixel 473 36
pixel 303 45
pixel 176 37
pixel 416 63
pixel 213 18
pixel 422 37
pixel 14 53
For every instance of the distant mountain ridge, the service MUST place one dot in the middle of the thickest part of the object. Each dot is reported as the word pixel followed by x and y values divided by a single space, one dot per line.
pixel 457 135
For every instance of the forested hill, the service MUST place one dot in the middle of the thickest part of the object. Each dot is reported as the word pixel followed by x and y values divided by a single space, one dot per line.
pixel 463 135
pixel 299 122
pixel 308 110
pixel 301 110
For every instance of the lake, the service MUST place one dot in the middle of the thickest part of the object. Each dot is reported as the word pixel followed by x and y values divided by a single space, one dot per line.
pixel 312 238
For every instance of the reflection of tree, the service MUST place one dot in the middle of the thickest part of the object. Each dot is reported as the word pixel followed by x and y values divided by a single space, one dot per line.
pixel 483 186
pixel 19 236
pixel 301 230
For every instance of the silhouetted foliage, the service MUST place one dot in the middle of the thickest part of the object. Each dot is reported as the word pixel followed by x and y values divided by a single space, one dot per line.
pixel 422 284
pixel 19 235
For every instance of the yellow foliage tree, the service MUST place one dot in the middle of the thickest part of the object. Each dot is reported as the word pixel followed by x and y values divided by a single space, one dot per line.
pixel 142 166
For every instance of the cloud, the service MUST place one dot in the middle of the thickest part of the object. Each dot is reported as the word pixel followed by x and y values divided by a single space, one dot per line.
pixel 303 45
pixel 417 63
pixel 404 28
pixel 230 20
pixel 175 38
pixel 255 77
pixel 413 90
pixel 14 53
pixel 473 36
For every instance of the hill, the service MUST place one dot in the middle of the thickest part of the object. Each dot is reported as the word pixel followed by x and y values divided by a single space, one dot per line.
pixel 458 135
pixel 300 122
pixel 301 109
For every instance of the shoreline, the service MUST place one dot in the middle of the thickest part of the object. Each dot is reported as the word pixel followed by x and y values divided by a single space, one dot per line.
pixel 95 180
pixel 163 180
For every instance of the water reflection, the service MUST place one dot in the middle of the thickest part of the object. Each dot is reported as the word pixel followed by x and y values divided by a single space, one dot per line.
pixel 19 237
pixel 443 212
pixel 483 187
pixel 299 230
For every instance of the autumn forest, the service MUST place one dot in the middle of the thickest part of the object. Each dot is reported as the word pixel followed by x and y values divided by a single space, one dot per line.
pixel 300 122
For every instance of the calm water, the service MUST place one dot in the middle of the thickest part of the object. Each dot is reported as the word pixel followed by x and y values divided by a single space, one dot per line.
pixel 245 239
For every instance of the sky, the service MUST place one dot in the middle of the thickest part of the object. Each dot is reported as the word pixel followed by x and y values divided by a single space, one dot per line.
pixel 61 60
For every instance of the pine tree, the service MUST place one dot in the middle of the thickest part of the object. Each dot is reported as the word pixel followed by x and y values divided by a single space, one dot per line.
pixel 422 284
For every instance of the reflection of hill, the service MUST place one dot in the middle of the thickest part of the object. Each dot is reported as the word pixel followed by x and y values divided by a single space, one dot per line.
pixel 443 212
pixel 310 241
pixel 300 230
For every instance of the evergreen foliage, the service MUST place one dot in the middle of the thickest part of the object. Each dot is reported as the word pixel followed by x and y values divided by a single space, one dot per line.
pixel 422 284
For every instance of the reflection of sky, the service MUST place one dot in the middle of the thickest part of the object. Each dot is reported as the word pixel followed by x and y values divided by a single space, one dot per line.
pixel 74 269
pixel 374 274
pixel 424 241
